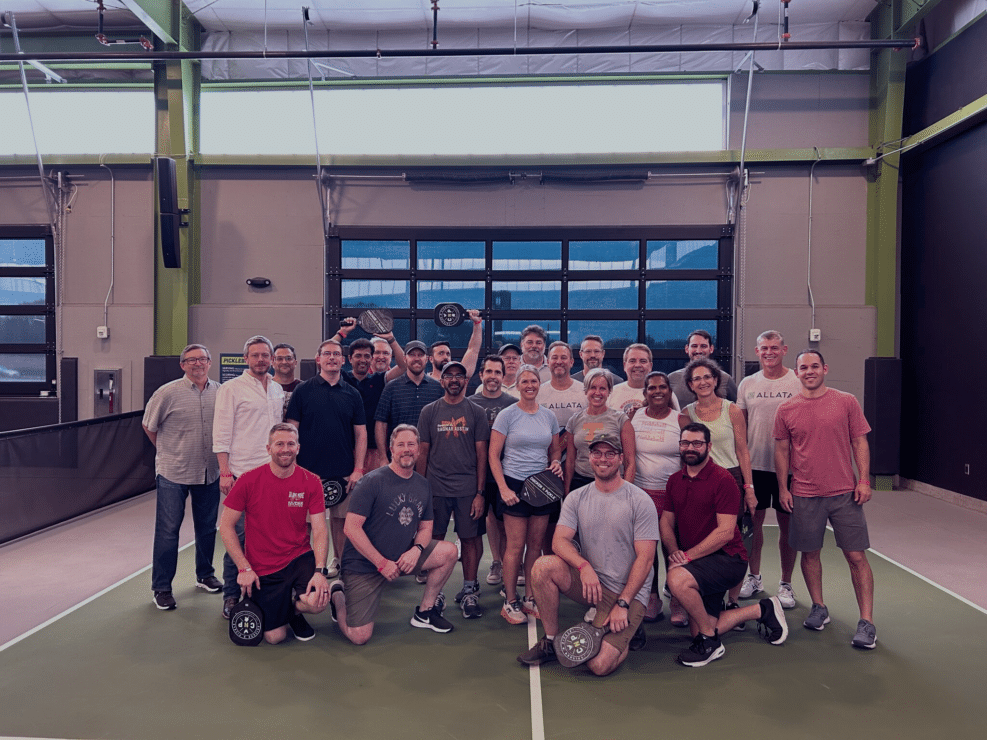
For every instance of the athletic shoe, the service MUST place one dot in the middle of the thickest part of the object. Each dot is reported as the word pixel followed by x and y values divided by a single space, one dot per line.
pixel 680 617
pixel 866 635
pixel 228 603
pixel 520 578
pixel 542 652
pixel 639 640
pixel 300 626
pixel 440 603
pixel 742 625
pixel 786 595
pixel 333 568
pixel 430 619
pixel 496 575
pixel 165 601
pixel 503 593
pixel 772 625
pixel 422 577
pixel 654 611
pixel 528 606
pixel 471 606
pixel 752 585
pixel 513 613
pixel 818 617
pixel 703 650
pixel 590 615
pixel 334 587
pixel 473 588
pixel 210 584
pixel 665 592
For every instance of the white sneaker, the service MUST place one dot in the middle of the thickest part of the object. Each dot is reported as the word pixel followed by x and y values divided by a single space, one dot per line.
pixel 752 585
pixel 333 568
pixel 786 595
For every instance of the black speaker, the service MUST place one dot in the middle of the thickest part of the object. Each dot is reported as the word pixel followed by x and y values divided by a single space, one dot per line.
pixel 167 181
pixel 171 244
pixel 882 407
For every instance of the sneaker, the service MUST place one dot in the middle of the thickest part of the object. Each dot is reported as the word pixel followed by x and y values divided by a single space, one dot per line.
pixel 772 625
pixel 333 568
pixel 440 603
pixel 513 613
pixel 590 615
pixel 786 595
pixel 300 626
pixel 703 650
pixel 496 575
pixel 431 619
pixel 503 593
pixel 471 606
pixel 165 601
pixel 542 652
pixel 665 592
pixel 865 636
pixel 752 585
pixel 459 549
pixel 228 603
pixel 520 579
pixel 654 611
pixel 334 588
pixel 818 617
pixel 210 584
pixel 528 606
pixel 422 577
pixel 473 588
pixel 742 625
pixel 639 640
pixel 680 617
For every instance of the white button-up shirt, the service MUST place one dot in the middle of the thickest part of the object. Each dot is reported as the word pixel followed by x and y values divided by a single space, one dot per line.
pixel 244 415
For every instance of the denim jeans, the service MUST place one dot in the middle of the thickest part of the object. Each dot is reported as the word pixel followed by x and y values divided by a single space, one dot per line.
pixel 230 571
pixel 168 521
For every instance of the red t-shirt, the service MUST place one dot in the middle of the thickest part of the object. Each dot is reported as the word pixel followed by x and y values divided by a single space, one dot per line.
pixel 820 431
pixel 276 509
pixel 696 502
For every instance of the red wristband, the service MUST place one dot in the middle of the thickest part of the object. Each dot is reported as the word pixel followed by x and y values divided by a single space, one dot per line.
pixel 585 563
pixel 381 568
pixel 245 570
pixel 687 558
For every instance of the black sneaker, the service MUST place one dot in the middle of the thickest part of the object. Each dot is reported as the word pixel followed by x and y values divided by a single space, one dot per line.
pixel 210 584
pixel 542 652
pixel 334 587
pixel 742 625
pixel 703 650
pixel 473 588
pixel 228 603
pixel 164 600
pixel 300 626
pixel 772 625
pixel 471 606
pixel 639 640
pixel 431 619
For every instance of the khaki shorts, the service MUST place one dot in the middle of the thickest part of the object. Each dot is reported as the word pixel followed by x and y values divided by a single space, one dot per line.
pixel 635 615
pixel 362 591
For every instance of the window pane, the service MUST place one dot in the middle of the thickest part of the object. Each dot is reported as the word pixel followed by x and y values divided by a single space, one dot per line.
pixel 603 255
pixel 376 255
pixel 527 255
pixel 509 331
pixel 683 255
pixel 22 329
pixel 451 255
pixel 525 294
pixel 457 336
pixel 675 334
pixel 677 294
pixel 22 291
pixel 467 294
pixel 22 253
pixel 22 368
pixel 603 294
pixel 615 334
pixel 376 294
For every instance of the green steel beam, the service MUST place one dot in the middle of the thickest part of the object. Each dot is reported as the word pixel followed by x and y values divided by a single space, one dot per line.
pixel 887 103
pixel 159 16
pixel 969 115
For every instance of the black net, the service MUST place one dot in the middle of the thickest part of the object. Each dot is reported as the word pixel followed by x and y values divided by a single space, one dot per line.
pixel 51 474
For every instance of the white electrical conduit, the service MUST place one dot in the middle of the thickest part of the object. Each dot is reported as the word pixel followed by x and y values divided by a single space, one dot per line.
pixel 113 201
pixel 808 275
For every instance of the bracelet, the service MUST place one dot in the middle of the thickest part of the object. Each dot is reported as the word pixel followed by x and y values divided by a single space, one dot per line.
pixel 687 558
pixel 585 563
pixel 864 483
pixel 381 568
pixel 245 570
pixel 749 485
pixel 227 475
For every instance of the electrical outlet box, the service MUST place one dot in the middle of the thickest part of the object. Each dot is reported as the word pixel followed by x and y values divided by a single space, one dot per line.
pixel 102 332
pixel 815 335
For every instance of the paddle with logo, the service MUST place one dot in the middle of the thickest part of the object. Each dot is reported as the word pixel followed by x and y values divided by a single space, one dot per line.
pixel 579 643
pixel 449 315
pixel 334 491
pixel 246 623
pixel 373 321
pixel 542 488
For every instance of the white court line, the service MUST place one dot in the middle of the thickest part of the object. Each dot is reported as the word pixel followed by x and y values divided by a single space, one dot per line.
pixel 81 604
pixel 534 676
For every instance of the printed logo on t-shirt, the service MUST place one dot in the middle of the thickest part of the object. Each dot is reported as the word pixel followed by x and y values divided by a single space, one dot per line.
pixel 406 515
pixel 296 498
pixel 591 428
pixel 770 394
pixel 630 406
pixel 404 509
pixel 453 427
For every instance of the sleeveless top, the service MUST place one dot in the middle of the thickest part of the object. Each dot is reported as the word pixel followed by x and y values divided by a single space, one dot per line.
pixel 723 449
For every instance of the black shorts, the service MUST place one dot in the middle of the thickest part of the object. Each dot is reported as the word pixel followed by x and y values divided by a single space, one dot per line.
pixel 445 508
pixel 716 574
pixel 274 596
pixel 766 489
pixel 522 508
pixel 491 495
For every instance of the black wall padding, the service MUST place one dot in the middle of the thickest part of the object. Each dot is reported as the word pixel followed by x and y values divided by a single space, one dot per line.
pixel 158 370
pixel 68 393
pixel 882 407
pixel 51 474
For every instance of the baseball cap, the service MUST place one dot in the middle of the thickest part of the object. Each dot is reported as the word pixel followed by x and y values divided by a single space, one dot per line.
pixel 607 439
pixel 415 344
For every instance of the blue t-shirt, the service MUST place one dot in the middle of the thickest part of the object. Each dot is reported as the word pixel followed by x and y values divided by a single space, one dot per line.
pixel 528 437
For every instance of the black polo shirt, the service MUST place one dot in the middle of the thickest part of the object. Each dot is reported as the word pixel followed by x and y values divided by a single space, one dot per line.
pixel 403 400
pixel 369 389
pixel 326 415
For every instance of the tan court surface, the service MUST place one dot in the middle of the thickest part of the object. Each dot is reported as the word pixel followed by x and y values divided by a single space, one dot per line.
pixel 118 668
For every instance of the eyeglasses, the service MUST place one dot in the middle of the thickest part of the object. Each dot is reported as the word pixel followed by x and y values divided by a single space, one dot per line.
pixel 331 354
pixel 608 454
pixel 283 359
pixel 696 444
pixel 698 378
pixel 196 360
pixel 453 375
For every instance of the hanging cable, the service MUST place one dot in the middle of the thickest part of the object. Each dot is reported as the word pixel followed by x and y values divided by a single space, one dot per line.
pixel 808 276
pixel 315 132
pixel 113 201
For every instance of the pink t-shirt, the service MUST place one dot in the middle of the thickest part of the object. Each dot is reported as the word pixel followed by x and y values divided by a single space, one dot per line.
pixel 820 431
pixel 276 508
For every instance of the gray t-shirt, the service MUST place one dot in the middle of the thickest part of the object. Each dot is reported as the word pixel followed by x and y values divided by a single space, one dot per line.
pixel 584 428
pixel 393 506
pixel 562 403
pixel 608 525
pixel 727 389
pixel 451 431
pixel 761 397
pixel 528 437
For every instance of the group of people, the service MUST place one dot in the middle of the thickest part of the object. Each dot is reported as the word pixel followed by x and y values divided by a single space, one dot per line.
pixel 390 454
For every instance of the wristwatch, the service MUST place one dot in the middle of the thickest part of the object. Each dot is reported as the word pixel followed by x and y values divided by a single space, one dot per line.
pixel 323 571
pixel 420 547
pixel 623 604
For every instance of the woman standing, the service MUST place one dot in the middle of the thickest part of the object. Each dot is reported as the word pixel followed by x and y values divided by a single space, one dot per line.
pixel 528 436
pixel 591 423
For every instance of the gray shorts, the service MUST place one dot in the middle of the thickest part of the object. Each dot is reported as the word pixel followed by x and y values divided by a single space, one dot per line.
pixel 362 591
pixel 809 517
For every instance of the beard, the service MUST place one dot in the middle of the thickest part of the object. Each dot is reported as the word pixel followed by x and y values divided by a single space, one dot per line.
pixel 693 457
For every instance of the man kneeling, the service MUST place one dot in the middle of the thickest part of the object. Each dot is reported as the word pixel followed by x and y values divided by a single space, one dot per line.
pixel 279 570
pixel 699 529
pixel 618 532
pixel 389 534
